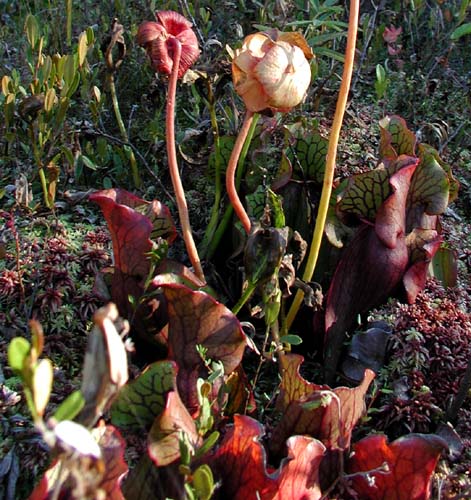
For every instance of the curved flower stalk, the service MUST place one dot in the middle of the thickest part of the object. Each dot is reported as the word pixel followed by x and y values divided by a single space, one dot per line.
pixel 172 47
pixel 330 159
pixel 271 73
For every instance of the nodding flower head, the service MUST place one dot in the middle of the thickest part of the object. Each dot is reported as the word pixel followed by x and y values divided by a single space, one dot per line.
pixel 159 38
pixel 271 71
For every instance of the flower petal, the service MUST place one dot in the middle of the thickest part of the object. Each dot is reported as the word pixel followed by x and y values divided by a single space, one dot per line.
pixel 149 31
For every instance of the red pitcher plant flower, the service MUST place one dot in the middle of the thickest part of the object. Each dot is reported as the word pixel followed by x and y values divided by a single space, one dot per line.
pixel 271 73
pixel 158 40
pixel 172 48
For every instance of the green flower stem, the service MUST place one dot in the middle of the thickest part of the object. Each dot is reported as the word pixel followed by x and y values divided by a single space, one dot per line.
pixel 231 171
pixel 47 198
pixel 213 221
pixel 122 129
pixel 69 22
pixel 246 294
pixel 173 164
pixel 220 231
pixel 330 159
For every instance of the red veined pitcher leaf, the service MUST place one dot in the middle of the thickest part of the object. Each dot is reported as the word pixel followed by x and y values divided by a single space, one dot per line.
pixel 293 386
pixel 422 244
pixel 317 415
pixel 163 441
pixel 410 460
pixel 240 464
pixel 316 410
pixel 352 406
pixel 299 475
pixel 133 224
pixel 195 318
pixel 370 268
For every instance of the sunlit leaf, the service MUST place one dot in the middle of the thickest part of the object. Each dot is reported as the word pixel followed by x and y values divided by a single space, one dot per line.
pixel 77 438
pixel 42 384
pixel 240 464
pixel 142 400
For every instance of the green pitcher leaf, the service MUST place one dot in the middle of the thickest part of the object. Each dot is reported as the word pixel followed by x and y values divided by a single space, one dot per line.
pixel 365 193
pixel 308 155
pixel 141 401
pixel 444 266
pixel 396 138
pixel 264 200
pixel 433 184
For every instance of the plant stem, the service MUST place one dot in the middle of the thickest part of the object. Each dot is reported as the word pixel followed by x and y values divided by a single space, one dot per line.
pixel 173 165
pixel 330 159
pixel 239 173
pixel 213 221
pixel 231 170
pixel 246 294
pixel 69 22
pixel 122 129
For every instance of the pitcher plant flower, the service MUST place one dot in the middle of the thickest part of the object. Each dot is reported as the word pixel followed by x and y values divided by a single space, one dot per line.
pixel 271 70
pixel 172 48
pixel 271 73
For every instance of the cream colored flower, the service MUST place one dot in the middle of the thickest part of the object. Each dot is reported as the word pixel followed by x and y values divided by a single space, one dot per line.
pixel 272 71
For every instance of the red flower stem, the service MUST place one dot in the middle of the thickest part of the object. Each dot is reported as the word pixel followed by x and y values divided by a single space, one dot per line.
pixel 173 164
pixel 231 170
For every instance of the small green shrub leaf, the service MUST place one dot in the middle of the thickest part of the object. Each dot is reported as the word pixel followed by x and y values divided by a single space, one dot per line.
pixel 464 29
pixel 70 407
pixel 82 48
pixel 50 100
pixel 141 401
pixel 18 350
pixel 32 29
pixel 203 482
pixel 291 339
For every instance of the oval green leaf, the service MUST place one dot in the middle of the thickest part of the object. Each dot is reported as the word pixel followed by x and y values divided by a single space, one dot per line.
pixel 18 350
pixel 70 407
